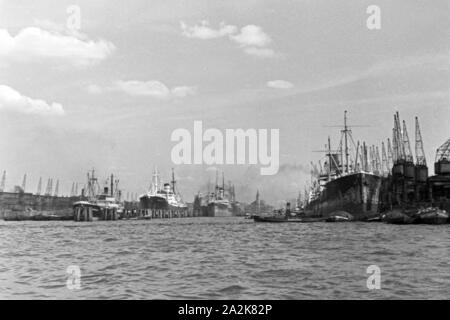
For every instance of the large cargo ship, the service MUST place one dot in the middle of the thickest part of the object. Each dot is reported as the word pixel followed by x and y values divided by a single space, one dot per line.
pixel 347 184
pixel 162 198
pixel 220 203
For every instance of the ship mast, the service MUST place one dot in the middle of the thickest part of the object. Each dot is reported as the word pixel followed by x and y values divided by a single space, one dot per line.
pixel 216 190
pixel 92 185
pixel 345 131
pixel 155 180
pixel 112 185
pixel 329 159
pixel 173 181
pixel 258 201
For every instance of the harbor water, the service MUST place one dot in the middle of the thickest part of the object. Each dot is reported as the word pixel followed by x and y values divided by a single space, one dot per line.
pixel 222 258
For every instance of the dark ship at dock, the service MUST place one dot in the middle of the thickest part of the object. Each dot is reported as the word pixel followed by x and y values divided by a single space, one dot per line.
pixel 348 183
pixel 390 185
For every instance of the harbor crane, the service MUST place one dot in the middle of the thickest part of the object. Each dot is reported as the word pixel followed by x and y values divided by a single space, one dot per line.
pixel 443 152
pixel 48 190
pixel 24 182
pixel 2 184
pixel 406 144
pixel 390 155
pixel 420 154
pixel 384 159
pixel 56 188
pixel 39 187
pixel 399 146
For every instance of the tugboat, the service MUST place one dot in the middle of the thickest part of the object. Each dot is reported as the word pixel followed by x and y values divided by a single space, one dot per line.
pixel 271 218
pixel 162 199
pixel 99 206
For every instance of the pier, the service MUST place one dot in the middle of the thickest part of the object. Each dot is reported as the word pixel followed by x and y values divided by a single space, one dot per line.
pixel 131 211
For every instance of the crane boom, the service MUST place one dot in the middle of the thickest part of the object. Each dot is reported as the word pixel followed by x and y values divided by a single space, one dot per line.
pixel 420 154
pixel 39 187
pixel 2 184
pixel 406 144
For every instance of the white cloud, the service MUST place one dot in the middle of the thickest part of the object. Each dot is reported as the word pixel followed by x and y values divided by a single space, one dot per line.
pixel 260 52
pixel 152 88
pixel 12 100
pixel 144 88
pixel 251 38
pixel 204 31
pixel 94 89
pixel 252 35
pixel 184 91
pixel 35 43
pixel 280 84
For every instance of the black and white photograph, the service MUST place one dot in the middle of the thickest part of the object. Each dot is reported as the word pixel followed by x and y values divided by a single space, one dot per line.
pixel 245 152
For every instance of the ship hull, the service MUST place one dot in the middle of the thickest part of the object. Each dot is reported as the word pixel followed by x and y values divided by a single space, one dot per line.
pixel 157 203
pixel 357 194
pixel 219 210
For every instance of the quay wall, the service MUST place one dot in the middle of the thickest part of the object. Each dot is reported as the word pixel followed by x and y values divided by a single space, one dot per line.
pixel 26 204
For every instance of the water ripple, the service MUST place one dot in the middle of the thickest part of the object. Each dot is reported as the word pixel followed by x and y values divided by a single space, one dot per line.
pixel 205 258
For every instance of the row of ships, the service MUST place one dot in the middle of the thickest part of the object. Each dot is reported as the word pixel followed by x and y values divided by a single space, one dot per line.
pixel 219 203
pixel 355 178
pixel 160 198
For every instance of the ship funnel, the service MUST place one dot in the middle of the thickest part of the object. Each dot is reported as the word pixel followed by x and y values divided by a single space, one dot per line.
pixel 166 187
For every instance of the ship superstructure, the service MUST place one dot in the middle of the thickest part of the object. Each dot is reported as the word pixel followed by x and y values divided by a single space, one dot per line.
pixel 104 204
pixel 162 196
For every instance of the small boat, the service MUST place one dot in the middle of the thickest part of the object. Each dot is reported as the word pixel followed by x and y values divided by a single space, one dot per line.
pixel 374 219
pixel 271 218
pixel 399 217
pixel 432 216
pixel 339 216
pixel 337 219
pixel 249 215
pixel 283 218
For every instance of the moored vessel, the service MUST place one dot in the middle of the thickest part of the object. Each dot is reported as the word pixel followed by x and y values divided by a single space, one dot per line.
pixel 162 197
pixel 347 183
pixel 220 203
pixel 105 205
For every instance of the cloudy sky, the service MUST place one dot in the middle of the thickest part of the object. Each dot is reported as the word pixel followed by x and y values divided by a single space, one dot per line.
pixel 110 94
